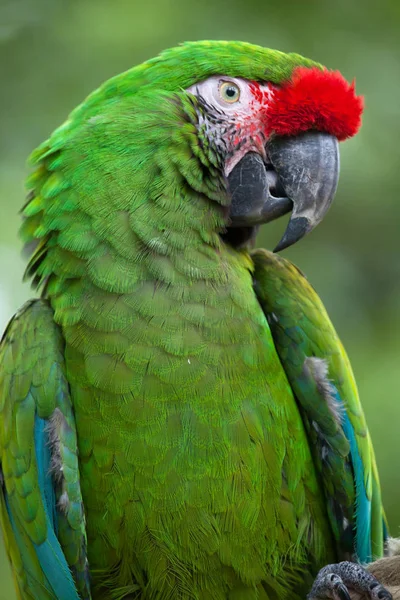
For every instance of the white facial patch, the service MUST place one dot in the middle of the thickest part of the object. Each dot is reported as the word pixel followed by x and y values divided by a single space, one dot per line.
pixel 233 115
pixel 211 91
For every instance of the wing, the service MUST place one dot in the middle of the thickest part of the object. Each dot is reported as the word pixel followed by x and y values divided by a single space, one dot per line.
pixel 321 377
pixel 41 508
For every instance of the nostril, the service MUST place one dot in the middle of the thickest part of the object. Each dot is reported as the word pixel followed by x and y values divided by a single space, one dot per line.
pixel 278 191
pixel 275 187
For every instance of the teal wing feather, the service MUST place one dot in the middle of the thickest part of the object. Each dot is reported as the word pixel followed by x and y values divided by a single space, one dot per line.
pixel 322 379
pixel 41 505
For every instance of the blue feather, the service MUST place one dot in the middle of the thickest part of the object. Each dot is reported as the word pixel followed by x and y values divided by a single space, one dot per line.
pixel 49 553
pixel 32 582
pixel 363 503
pixel 385 531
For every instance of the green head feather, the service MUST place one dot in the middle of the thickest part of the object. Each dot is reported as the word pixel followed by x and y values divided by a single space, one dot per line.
pixel 180 67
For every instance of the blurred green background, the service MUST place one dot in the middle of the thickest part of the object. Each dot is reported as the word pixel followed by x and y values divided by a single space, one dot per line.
pixel 54 52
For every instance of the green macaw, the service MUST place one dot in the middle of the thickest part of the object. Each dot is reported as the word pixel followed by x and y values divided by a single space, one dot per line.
pixel 178 418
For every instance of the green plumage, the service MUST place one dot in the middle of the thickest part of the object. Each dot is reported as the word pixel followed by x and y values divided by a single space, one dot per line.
pixel 196 463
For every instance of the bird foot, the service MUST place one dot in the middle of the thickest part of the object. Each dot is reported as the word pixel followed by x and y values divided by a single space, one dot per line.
pixel 338 581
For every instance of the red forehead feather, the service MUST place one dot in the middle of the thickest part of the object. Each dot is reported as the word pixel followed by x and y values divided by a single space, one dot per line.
pixel 315 99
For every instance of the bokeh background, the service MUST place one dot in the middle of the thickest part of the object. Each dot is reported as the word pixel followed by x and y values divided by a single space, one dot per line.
pixel 54 52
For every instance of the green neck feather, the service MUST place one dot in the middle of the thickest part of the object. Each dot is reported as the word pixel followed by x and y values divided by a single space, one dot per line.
pixel 132 191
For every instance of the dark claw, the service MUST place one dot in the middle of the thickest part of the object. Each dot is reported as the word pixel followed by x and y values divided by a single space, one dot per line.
pixel 335 581
pixel 328 585
pixel 383 594
pixel 342 592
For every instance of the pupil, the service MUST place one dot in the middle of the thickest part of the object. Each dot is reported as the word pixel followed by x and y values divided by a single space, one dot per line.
pixel 230 91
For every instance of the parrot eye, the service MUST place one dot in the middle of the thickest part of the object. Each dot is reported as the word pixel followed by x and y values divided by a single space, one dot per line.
pixel 229 91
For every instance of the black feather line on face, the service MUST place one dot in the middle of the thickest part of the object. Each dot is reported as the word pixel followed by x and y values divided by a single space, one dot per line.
pixel 216 126
pixel 211 109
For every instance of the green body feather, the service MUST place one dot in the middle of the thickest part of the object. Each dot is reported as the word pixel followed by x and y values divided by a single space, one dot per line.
pixel 196 472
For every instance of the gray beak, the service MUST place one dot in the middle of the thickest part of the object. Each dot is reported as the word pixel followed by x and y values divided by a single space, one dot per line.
pixel 302 176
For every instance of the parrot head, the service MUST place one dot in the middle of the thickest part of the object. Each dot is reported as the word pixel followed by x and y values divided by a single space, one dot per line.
pixel 253 132
pixel 274 120
pixel 278 137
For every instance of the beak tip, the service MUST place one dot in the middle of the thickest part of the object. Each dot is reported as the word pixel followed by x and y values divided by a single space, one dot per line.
pixel 297 228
